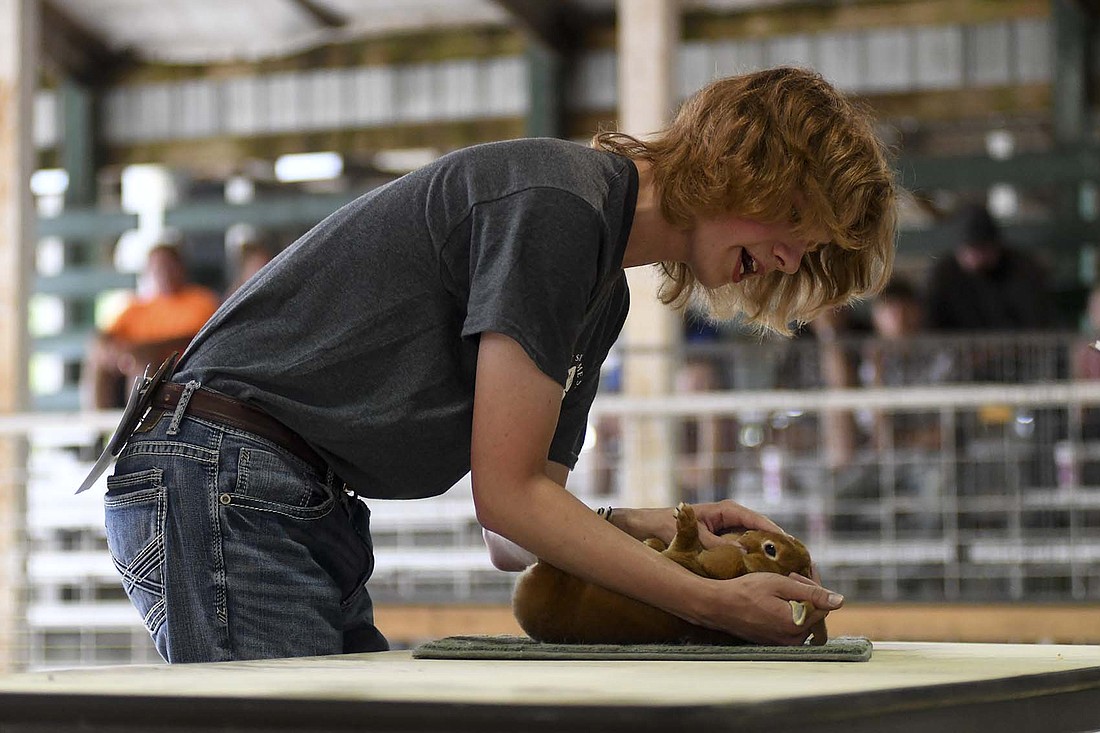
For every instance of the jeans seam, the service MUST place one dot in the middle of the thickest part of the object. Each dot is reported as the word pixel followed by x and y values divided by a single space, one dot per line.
pixel 221 610
pixel 167 448
pixel 136 574
pixel 156 616
pixel 305 514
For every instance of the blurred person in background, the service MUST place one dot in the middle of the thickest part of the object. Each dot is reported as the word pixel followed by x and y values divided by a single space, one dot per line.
pixel 999 297
pixel 705 442
pixel 986 285
pixel 1085 365
pixel 251 257
pixel 162 319
pixel 897 357
pixel 838 361
pixel 892 355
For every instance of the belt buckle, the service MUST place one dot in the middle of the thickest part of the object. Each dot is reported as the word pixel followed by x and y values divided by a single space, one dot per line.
pixel 137 403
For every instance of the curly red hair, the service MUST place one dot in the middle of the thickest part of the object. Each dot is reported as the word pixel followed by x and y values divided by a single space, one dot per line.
pixel 780 145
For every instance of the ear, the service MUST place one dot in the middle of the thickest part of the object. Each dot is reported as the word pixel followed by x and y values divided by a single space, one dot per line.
pixel 820 634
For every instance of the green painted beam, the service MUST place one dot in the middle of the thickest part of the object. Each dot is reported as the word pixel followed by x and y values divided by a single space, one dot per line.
pixel 916 173
pixel 1073 27
pixel 86 224
pixel 70 346
pixel 303 209
pixel 1027 170
pixel 68 398
pixel 1052 236
pixel 77 149
pixel 83 282
pixel 545 82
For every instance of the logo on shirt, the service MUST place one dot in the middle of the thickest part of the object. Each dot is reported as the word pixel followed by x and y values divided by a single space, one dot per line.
pixel 575 376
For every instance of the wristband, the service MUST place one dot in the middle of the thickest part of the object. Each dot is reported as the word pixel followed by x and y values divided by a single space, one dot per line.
pixel 605 512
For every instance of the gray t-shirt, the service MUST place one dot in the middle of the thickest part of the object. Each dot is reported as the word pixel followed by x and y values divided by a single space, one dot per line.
pixel 362 336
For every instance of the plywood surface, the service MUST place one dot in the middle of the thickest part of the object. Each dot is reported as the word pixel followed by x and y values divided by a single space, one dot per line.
pixel 396 677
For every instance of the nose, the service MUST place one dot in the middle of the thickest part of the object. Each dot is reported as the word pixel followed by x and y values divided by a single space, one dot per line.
pixel 788 257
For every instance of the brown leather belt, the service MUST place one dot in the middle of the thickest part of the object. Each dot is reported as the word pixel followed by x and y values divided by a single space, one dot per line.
pixel 225 410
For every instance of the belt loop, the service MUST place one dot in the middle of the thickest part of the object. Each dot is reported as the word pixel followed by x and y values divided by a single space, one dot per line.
pixel 181 407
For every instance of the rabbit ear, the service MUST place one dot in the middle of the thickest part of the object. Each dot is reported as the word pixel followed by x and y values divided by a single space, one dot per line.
pixel 820 634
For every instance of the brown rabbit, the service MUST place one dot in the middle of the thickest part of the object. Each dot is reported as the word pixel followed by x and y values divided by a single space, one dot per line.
pixel 554 606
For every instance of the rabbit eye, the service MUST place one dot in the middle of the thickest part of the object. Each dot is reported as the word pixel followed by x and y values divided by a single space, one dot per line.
pixel 770 549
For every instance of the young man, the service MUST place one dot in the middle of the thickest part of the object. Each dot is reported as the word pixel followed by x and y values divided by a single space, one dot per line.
pixel 455 320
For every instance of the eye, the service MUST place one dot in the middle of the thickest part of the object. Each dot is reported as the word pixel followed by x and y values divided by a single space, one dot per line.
pixel 770 549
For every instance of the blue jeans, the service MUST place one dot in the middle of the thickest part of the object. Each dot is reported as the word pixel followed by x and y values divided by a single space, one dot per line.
pixel 231 547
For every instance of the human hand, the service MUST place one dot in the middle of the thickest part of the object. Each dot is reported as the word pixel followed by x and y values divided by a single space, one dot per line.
pixel 756 607
pixel 719 522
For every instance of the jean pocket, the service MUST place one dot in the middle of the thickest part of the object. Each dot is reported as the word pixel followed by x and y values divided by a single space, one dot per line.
pixel 269 482
pixel 134 511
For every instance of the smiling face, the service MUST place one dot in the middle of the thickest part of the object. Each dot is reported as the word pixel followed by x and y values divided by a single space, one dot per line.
pixel 727 249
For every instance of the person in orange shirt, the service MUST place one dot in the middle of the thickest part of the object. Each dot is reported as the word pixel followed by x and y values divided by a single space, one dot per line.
pixel 148 330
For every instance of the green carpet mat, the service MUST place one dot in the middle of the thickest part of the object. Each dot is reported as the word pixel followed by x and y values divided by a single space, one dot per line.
pixel 841 649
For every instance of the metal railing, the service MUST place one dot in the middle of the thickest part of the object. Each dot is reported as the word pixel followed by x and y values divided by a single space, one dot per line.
pixel 939 492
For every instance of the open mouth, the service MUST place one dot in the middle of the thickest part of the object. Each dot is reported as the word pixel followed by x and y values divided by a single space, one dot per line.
pixel 748 264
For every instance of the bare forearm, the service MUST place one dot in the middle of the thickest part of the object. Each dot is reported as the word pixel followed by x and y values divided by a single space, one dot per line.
pixel 580 542
pixel 505 554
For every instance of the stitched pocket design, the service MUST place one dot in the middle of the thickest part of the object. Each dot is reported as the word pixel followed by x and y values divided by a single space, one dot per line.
pixel 135 509
pixel 268 482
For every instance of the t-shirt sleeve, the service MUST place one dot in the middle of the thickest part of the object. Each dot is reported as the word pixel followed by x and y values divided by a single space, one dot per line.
pixel 533 269
pixel 569 436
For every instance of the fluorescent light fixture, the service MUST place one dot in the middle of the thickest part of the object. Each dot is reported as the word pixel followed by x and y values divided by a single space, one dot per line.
pixel 239 190
pixel 49 182
pixel 1003 201
pixel 45 315
pixel 298 167
pixel 49 256
pixel 1000 144
pixel 46 373
pixel 404 160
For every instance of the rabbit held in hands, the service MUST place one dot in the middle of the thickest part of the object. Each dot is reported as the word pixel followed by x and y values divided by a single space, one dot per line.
pixel 554 606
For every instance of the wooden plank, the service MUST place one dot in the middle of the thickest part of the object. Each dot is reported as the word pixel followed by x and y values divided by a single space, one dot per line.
pixel 410 624
pixel 18 63
pixel 396 676
pixel 928 105
pixel 649 35
pixel 1024 623
pixel 904 687
pixel 851 16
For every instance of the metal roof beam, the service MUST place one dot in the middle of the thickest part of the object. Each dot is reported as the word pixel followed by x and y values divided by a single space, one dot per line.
pixel 555 25
pixel 322 16
pixel 69 50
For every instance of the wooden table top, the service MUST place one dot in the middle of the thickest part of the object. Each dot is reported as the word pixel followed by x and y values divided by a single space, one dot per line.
pixel 912 684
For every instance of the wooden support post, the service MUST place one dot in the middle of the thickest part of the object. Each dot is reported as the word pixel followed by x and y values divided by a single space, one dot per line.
pixel 648 38
pixel 18 63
